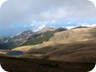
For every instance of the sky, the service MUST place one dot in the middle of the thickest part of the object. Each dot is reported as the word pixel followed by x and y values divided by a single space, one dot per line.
pixel 20 15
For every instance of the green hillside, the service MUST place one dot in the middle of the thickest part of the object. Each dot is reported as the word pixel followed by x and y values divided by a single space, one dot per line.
pixel 45 37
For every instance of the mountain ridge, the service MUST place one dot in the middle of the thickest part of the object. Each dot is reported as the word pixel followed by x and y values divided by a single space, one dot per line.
pixel 27 36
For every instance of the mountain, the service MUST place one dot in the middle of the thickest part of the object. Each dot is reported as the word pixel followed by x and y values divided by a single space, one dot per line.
pixel 80 27
pixel 21 37
pixel 43 35
pixel 29 38
pixel 46 29
pixel 75 45
pixel 2 40
pixel 66 36
pixel 63 51
pixel 15 40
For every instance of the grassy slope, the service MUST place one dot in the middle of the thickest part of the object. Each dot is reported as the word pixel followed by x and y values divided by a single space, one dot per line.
pixel 84 51
pixel 39 40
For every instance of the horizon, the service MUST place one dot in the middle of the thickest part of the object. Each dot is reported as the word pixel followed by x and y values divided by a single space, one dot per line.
pixel 67 27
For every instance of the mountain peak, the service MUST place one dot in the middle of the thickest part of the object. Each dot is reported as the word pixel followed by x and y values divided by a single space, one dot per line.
pixel 45 29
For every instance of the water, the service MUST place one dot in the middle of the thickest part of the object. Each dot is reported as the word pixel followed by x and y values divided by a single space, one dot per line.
pixel 14 53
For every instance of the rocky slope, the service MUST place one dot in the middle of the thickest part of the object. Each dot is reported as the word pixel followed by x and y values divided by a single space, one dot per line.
pixel 15 40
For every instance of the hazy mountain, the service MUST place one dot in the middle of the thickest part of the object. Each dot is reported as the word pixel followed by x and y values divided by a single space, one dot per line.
pixel 21 37
pixel 29 38
pixel 80 27
pixel 15 40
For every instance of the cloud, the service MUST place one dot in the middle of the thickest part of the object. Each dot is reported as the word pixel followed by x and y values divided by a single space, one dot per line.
pixel 40 27
pixel 54 13
pixel 87 24
pixel 36 13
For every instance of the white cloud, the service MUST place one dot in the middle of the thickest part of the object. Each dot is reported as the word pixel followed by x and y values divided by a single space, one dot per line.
pixel 54 13
pixel 89 25
pixel 43 10
pixel 39 28
pixel 34 21
pixel 86 24
pixel 70 27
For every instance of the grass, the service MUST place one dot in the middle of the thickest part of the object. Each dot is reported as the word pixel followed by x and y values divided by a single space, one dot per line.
pixel 45 37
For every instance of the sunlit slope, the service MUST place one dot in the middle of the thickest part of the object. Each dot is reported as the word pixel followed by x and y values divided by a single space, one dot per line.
pixel 78 34
pixel 76 45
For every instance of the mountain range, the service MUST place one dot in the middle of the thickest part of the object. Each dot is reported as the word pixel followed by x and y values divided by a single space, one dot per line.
pixel 74 45
pixel 59 44
pixel 29 38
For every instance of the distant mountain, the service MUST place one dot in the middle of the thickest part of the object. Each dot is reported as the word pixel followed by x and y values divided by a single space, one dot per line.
pixel 43 35
pixel 80 27
pixel 49 29
pixel 48 33
pixel 16 40
pixel 21 37
pixel 55 34
pixel 30 38
pixel 2 40
pixel 46 29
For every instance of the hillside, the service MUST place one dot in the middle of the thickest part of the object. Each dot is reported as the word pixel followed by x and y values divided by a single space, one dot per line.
pixel 73 35
pixel 44 37
pixel 75 45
